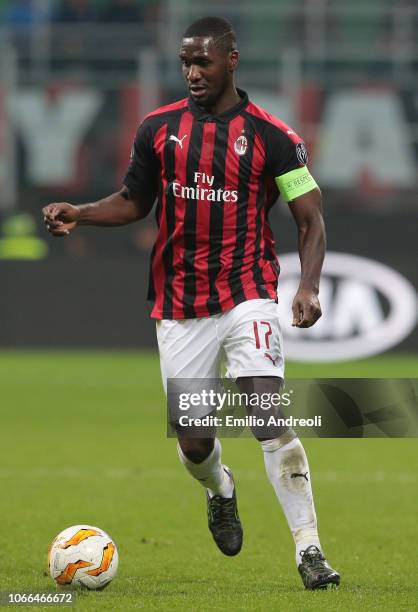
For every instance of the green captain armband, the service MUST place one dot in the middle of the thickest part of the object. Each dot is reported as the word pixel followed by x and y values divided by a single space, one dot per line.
pixel 295 183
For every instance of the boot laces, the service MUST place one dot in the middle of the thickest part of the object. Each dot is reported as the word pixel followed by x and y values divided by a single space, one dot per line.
pixel 313 556
pixel 223 510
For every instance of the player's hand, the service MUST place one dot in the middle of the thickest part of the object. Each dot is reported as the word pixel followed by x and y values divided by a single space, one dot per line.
pixel 306 309
pixel 60 219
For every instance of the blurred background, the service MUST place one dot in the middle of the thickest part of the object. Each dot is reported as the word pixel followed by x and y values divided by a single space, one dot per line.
pixel 77 76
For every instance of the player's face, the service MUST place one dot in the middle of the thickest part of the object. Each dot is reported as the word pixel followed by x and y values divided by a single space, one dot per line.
pixel 206 69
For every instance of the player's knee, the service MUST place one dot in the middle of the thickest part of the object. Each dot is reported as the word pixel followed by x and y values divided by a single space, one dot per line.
pixel 267 389
pixel 260 384
pixel 196 449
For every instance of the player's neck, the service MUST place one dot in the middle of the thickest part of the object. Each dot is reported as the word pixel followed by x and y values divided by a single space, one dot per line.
pixel 229 99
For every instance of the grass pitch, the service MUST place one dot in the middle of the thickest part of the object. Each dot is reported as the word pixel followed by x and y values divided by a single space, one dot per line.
pixel 83 441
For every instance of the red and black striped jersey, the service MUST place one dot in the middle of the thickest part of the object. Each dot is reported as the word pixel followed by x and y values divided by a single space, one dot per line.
pixel 214 178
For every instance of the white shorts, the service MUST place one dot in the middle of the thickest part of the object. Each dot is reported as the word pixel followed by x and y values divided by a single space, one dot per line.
pixel 247 340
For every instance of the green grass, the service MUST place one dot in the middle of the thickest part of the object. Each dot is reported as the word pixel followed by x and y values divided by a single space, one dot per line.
pixel 83 441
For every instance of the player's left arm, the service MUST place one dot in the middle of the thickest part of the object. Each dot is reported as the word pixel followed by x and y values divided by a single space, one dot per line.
pixel 307 212
pixel 287 159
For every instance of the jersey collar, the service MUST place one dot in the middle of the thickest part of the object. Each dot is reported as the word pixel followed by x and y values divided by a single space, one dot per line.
pixel 202 115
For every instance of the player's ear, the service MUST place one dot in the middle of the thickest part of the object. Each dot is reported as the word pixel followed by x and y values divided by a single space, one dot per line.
pixel 233 60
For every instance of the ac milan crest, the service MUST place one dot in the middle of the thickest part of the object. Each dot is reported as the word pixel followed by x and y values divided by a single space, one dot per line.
pixel 241 145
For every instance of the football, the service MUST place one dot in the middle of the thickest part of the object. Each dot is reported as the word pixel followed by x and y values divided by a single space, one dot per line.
pixel 83 555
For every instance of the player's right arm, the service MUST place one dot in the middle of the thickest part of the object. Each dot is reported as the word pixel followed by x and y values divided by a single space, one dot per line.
pixel 119 208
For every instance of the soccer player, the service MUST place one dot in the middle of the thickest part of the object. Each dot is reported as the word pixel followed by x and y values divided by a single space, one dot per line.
pixel 217 162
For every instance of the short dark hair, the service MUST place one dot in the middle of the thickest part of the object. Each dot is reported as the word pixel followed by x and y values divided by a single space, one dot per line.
pixel 217 28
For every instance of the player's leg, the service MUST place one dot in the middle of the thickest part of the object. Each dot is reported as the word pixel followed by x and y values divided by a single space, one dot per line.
pixel 253 349
pixel 286 465
pixel 202 458
pixel 288 471
pixel 189 351
pixel 223 518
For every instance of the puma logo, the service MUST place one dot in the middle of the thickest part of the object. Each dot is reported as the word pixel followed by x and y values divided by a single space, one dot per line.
pixel 297 475
pixel 180 141
pixel 271 358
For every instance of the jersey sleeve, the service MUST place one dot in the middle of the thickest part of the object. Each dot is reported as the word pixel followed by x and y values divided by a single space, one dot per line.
pixel 287 159
pixel 143 169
